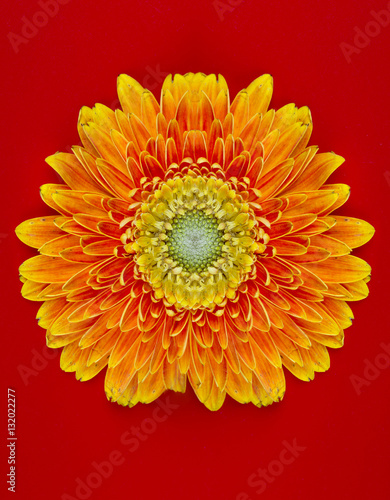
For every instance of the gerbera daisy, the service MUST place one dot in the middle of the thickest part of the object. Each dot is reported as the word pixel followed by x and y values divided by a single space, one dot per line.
pixel 194 240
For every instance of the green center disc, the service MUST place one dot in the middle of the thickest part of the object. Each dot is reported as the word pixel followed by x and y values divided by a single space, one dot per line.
pixel 194 241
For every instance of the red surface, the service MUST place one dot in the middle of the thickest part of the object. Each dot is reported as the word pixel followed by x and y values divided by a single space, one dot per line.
pixel 64 426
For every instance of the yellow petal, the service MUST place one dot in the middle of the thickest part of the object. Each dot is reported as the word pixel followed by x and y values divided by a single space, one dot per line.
pixel 260 93
pixel 36 232
pixel 129 93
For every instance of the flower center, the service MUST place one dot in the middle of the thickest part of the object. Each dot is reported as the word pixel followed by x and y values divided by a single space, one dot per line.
pixel 195 241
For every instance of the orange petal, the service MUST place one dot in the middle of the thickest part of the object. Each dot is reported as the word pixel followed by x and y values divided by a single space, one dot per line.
pixel 76 254
pixel 286 247
pixel 249 133
pixel 340 311
pixel 45 269
pixel 345 269
pixel 221 105
pixel 219 371
pixel 356 291
pixel 260 317
pixel 293 331
pixel 238 388
pixel 343 192
pixel 151 387
pixel 271 378
pixel 73 173
pixel 46 192
pixel 353 232
pixel 118 378
pixel 327 326
pixel 315 203
pixel 85 116
pixel 316 172
pixel 285 345
pixel 173 379
pixel 335 247
pixel 313 254
pixel 141 134
pixel 305 372
pixel 127 342
pixel 270 183
pixel 49 310
pixel 31 290
pixel 304 116
pixel 54 247
pixel 168 105
pixel 104 145
pixel 240 111
pixel 266 345
pixel 333 341
pixel 104 117
pixel 287 142
pixel 149 111
pixel 215 399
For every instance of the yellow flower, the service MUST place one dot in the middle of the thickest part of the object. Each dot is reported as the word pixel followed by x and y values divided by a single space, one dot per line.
pixel 194 239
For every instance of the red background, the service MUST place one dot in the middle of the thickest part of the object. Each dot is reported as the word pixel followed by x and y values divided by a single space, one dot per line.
pixel 63 426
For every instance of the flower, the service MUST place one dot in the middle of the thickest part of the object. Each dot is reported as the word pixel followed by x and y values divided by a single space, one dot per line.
pixel 195 240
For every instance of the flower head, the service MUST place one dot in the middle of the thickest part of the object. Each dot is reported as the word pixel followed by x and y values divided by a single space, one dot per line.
pixel 194 239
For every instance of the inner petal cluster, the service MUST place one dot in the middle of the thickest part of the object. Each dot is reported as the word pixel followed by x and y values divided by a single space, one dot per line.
pixel 195 241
